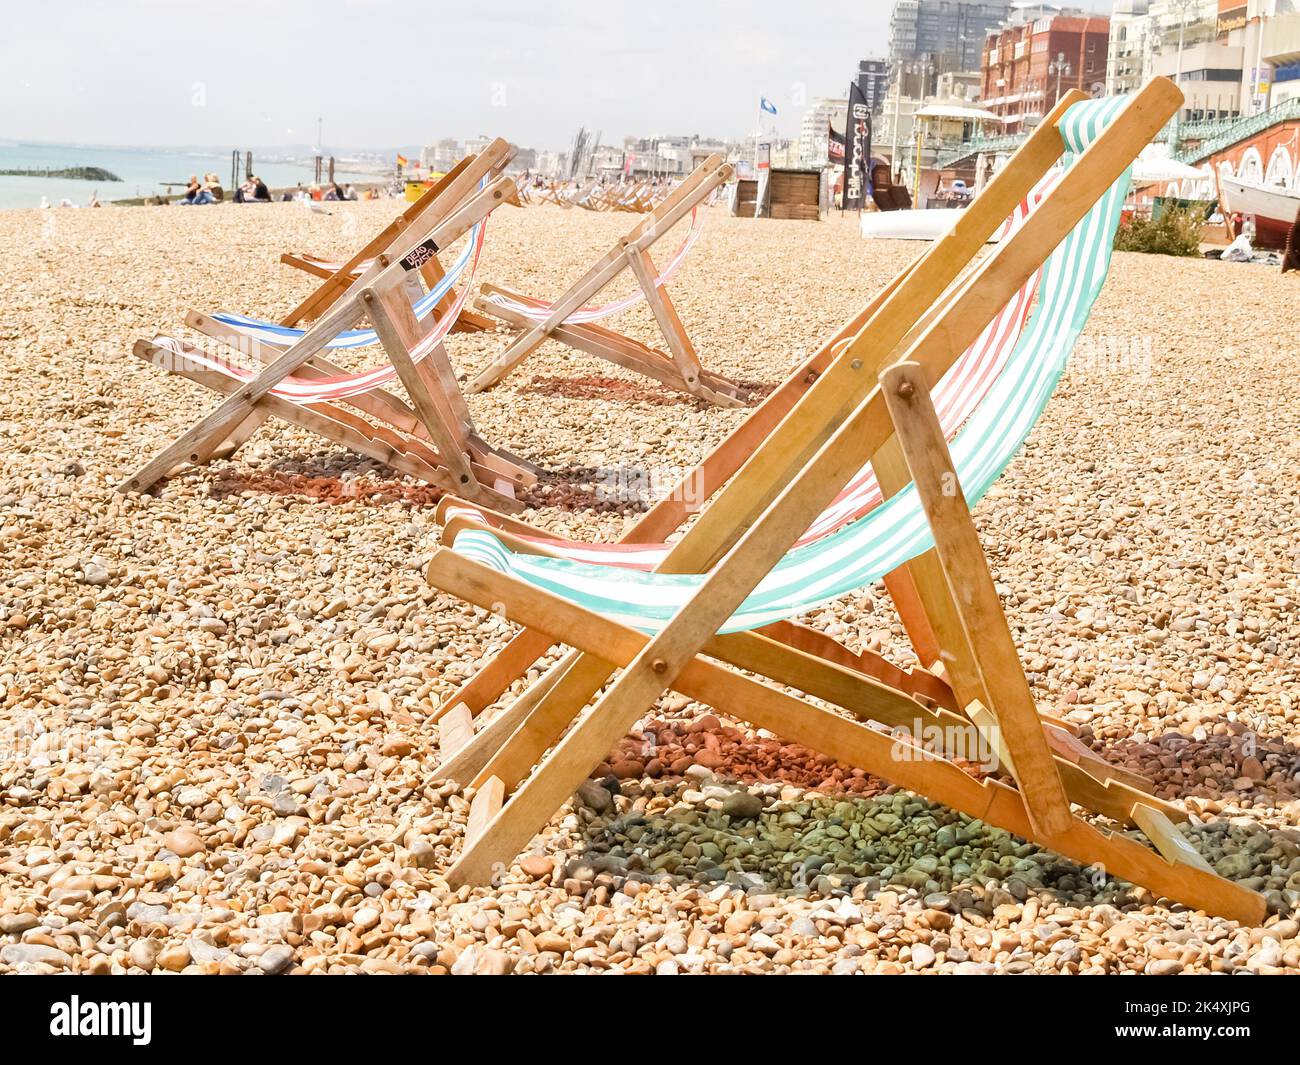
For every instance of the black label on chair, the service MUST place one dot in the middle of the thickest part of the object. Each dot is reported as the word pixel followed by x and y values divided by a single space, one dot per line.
pixel 420 254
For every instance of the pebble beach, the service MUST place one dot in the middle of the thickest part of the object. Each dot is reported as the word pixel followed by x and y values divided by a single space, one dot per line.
pixel 216 753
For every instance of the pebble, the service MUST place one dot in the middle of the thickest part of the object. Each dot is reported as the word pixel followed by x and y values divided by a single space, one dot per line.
pixel 742 804
pixel 249 657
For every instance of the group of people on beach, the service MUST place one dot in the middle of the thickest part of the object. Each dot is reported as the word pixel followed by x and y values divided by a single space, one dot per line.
pixel 199 193
pixel 253 190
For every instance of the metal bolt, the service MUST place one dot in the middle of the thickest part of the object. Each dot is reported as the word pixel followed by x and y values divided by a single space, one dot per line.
pixel 368 296
pixel 905 389
pixel 856 364
pixel 659 665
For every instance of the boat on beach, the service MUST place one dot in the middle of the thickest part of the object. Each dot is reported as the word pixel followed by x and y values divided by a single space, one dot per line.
pixel 1275 209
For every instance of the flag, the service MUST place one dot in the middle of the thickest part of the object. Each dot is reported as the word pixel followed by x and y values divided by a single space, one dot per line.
pixel 834 144
pixel 764 104
pixel 402 161
pixel 857 151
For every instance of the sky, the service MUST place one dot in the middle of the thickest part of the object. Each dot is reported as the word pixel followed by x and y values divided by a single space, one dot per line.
pixel 259 73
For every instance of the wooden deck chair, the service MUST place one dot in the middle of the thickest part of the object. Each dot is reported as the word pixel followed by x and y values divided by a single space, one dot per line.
pixel 571 321
pixel 337 276
pixel 730 572
pixel 431 437
pixel 644 545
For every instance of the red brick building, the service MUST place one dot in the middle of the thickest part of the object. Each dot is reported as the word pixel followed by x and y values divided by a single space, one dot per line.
pixel 1024 73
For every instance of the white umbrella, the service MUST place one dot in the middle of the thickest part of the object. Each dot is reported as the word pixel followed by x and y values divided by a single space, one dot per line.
pixel 1151 169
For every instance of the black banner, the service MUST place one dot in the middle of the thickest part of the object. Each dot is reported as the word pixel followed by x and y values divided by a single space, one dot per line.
pixel 857 151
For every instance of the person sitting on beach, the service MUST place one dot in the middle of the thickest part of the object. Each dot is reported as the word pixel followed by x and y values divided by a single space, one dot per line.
pixel 253 190
pixel 349 193
pixel 197 195
pixel 212 188
pixel 331 193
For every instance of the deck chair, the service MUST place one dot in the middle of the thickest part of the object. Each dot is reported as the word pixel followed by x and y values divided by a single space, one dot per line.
pixel 337 276
pixel 571 320
pixel 695 622
pixel 644 546
pixel 431 437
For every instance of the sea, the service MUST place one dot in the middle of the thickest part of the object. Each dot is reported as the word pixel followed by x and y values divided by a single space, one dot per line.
pixel 143 172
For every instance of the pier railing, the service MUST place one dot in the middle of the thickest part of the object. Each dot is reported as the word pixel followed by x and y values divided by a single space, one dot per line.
pixel 1211 135
pixel 1216 136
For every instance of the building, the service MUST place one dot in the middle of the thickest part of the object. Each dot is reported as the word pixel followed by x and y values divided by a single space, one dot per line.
pixel 553 164
pixel 873 82
pixel 1268 32
pixel 1148 35
pixel 440 156
pixel 1280 49
pixel 814 129
pixel 1230 57
pixel 1030 65
pixel 959 85
pixel 1129 48
pixel 525 159
pixel 949 34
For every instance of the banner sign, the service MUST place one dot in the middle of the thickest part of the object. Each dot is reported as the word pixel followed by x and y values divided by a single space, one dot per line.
pixel 857 150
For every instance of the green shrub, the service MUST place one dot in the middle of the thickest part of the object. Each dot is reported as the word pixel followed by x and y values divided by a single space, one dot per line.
pixel 1176 232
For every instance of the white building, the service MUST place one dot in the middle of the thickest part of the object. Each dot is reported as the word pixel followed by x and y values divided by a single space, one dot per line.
pixel 553 164
pixel 814 129
pixel 440 156
pixel 1229 59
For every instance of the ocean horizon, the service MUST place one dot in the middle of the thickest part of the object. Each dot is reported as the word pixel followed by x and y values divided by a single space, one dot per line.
pixel 144 172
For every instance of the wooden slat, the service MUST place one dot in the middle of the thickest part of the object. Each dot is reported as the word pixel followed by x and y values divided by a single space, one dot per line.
pixel 907 394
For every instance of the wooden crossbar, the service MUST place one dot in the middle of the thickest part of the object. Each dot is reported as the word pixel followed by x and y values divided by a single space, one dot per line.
pixel 678 368
pixel 336 281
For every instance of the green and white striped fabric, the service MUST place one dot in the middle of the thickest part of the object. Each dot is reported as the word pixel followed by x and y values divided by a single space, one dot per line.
pixel 895 532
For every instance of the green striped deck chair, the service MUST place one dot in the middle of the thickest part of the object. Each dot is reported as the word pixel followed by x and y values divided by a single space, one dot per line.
pixel 690 626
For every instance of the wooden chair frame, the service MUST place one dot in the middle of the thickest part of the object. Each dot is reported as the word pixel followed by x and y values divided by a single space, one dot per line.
pixel 433 436
pixel 335 282
pixel 680 367
pixel 873 399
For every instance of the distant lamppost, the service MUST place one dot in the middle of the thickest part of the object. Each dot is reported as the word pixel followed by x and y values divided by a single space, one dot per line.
pixel 1060 68
pixel 1181 7
pixel 924 68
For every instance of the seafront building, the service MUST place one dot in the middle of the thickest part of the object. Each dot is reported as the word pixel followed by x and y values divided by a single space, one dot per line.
pixel 1029 65
pixel 814 128
pixel 948 34
pixel 1230 57
pixel 872 80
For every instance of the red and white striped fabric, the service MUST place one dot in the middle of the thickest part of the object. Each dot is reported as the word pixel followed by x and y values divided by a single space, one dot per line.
pixel 955 397
pixel 304 390
pixel 540 310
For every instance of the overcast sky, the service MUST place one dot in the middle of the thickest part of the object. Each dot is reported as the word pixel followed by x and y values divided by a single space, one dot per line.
pixel 393 72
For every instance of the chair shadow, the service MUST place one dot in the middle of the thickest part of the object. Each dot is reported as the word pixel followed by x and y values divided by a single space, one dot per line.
pixel 335 478
pixel 599 489
pixel 1245 852
pixel 332 478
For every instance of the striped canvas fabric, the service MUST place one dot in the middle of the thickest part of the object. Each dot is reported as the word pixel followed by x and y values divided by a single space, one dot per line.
pixel 283 336
pixel 895 532
pixel 332 389
pixel 956 395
